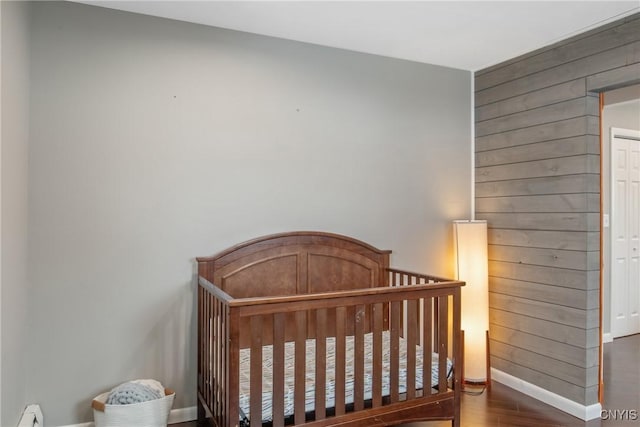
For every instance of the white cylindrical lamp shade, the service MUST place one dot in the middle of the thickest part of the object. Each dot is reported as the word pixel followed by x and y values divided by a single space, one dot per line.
pixel 470 243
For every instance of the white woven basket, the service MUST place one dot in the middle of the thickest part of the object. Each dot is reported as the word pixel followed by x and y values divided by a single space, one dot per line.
pixel 153 413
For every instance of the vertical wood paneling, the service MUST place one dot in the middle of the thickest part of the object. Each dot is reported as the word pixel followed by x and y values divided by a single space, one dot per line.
pixel 538 186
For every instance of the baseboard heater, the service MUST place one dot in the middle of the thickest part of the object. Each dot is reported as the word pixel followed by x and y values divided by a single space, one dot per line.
pixel 32 417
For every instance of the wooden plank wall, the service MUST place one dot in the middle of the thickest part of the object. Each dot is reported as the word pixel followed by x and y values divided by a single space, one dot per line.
pixel 538 186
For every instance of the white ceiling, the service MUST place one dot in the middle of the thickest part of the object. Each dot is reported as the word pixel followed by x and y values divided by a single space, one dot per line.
pixel 469 35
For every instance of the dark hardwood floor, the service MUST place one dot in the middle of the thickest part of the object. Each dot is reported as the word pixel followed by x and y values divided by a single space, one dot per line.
pixel 503 406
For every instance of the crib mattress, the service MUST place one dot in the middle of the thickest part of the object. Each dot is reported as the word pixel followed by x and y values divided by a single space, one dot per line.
pixel 267 384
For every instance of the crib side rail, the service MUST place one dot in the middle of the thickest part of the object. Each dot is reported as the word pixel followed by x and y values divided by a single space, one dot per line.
pixel 217 385
pixel 403 278
pixel 290 316
pixel 407 278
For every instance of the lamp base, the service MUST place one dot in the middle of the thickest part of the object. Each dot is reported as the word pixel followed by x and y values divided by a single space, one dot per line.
pixel 487 382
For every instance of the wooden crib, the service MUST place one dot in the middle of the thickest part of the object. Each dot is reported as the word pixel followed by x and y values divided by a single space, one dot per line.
pixel 333 306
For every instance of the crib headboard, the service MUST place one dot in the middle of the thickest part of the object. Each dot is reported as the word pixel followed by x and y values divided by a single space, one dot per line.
pixel 296 263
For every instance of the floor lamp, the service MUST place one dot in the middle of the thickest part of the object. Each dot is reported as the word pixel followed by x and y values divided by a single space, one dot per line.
pixel 470 243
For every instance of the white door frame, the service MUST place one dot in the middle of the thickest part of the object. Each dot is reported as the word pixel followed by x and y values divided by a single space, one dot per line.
pixel 623 134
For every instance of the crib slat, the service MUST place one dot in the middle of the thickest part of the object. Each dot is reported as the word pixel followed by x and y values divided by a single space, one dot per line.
pixel 457 354
pixel 220 363
pixel 224 360
pixel 321 363
pixel 222 342
pixel 394 368
pixel 376 397
pixel 200 339
pixel 412 317
pixel 215 362
pixel 202 336
pixel 215 355
pixel 255 377
pixel 358 359
pixel 205 344
pixel 215 366
pixel 426 345
pixel 341 313
pixel 300 368
pixel 210 338
pixel 278 369
pixel 443 307
pixel 232 401
pixel 436 317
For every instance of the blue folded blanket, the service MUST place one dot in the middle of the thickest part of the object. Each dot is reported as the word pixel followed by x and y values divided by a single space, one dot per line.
pixel 131 392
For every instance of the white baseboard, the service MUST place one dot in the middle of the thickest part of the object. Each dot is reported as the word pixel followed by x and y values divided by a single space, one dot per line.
pixel 583 412
pixel 80 425
pixel 180 415
pixel 183 415
pixel 607 338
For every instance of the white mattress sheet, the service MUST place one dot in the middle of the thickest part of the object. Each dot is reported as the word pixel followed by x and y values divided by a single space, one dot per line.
pixel 267 387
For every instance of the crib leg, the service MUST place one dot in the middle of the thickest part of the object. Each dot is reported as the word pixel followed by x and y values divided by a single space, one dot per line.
pixel 202 415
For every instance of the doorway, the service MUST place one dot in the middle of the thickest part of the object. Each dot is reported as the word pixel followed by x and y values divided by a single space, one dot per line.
pixel 620 134
pixel 625 232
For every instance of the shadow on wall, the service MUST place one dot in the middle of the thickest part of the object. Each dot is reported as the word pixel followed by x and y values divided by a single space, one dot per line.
pixel 167 354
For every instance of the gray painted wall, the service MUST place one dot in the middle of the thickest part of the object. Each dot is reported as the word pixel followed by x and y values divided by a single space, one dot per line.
pixel 538 186
pixel 154 141
pixel 621 110
pixel 13 194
